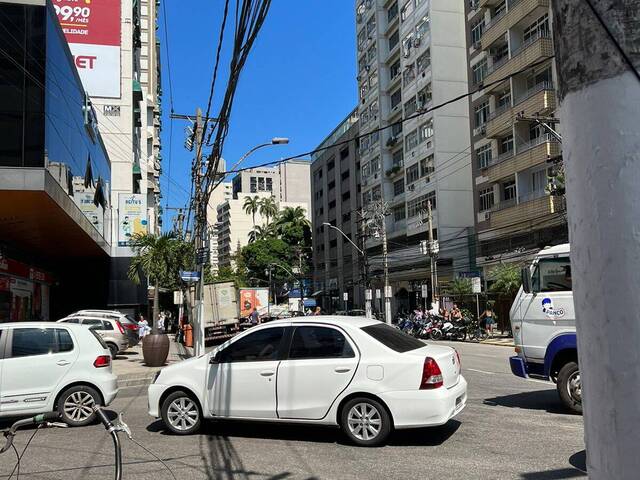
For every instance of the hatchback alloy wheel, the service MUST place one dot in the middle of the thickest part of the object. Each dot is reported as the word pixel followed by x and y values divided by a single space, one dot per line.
pixel 181 413
pixel 76 405
pixel 364 421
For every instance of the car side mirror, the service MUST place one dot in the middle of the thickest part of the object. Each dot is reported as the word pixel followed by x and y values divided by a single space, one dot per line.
pixel 525 276
pixel 215 358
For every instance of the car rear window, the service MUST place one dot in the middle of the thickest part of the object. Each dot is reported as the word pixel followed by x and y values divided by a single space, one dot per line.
pixel 393 338
pixel 98 338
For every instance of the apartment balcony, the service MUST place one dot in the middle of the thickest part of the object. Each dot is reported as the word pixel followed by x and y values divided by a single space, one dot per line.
pixel 487 3
pixel 527 155
pixel 517 11
pixel 541 99
pixel 513 215
pixel 531 51
pixel 500 121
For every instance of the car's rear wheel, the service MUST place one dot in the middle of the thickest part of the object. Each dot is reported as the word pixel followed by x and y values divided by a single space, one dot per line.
pixel 75 405
pixel 570 387
pixel 365 422
pixel 113 348
pixel 181 413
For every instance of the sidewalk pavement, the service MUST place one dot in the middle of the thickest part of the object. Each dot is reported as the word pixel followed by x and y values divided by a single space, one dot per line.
pixel 131 370
pixel 501 340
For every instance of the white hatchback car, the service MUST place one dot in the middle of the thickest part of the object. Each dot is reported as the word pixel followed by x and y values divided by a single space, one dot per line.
pixel 352 372
pixel 46 367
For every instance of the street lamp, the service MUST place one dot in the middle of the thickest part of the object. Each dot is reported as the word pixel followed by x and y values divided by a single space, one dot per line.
pixel 274 141
pixel 367 301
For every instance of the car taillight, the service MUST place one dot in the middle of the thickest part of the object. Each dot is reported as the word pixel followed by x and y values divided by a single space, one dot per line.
pixel 102 361
pixel 119 326
pixel 431 375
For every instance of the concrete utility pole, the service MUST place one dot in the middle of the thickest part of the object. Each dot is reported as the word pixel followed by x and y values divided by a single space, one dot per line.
pixel 368 295
pixel 200 230
pixel 599 87
pixel 432 251
pixel 379 212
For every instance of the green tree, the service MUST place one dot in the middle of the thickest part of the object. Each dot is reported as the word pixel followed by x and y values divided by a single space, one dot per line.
pixel 293 226
pixel 459 286
pixel 268 208
pixel 159 257
pixel 254 259
pixel 506 279
pixel 251 207
pixel 259 233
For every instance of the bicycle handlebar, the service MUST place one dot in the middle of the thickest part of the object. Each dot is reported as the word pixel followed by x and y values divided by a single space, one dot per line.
pixel 35 420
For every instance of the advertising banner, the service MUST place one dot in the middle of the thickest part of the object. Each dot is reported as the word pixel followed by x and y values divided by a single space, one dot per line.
pixel 251 298
pixel 132 217
pixel 92 29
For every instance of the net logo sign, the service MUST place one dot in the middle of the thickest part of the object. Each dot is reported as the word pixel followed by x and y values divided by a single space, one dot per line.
pixel 92 29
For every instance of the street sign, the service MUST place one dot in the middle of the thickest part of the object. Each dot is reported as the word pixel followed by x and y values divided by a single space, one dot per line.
pixel 425 291
pixel 468 274
pixel 368 294
pixel 388 292
pixel 476 285
pixel 189 277
pixel 378 293
pixel 177 297
pixel 345 296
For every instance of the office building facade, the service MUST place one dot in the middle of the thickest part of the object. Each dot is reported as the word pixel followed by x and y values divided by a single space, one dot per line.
pixel 510 45
pixel 335 199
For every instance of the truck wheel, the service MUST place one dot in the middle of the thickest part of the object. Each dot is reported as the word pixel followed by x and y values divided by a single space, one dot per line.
pixel 570 387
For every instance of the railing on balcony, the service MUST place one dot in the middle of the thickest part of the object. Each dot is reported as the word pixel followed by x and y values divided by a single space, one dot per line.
pixel 499 111
pixel 497 18
pixel 531 195
pixel 527 43
pixel 500 158
pixel 539 87
pixel 504 204
pixel 545 137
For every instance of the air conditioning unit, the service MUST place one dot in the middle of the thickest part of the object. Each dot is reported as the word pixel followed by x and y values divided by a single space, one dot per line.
pixel 416 42
pixel 427 179
pixel 407 53
pixel 483 130
pixel 392 141
pixel 411 187
pixel 487 215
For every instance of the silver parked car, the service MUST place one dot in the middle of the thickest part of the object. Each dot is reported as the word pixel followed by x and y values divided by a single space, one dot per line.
pixel 112 331
pixel 127 321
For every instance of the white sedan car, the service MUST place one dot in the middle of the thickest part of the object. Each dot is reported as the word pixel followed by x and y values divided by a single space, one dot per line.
pixel 359 374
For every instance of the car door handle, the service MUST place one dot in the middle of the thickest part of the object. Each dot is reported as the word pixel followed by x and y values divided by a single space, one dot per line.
pixel 62 363
pixel 267 373
pixel 342 369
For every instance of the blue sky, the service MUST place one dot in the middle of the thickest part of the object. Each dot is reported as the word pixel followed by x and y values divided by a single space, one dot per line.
pixel 299 81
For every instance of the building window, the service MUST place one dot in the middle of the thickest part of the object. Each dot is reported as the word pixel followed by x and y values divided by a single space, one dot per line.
pixel 398 187
pixel 253 184
pixel 509 190
pixel 411 141
pixel 420 204
pixel 332 204
pixel 333 243
pixel 345 175
pixel 398 158
pixel 394 70
pixel 399 213
pixel 375 164
pixel 371 25
pixel 371 53
pixel 346 196
pixel 410 107
pixel 394 39
pixel 409 75
pixel 481 113
pixel 499 9
pixel 423 61
pixel 483 154
pixel 396 129
pixel 344 153
pixel 479 71
pixel 477 29
pixel 269 184
pixel 501 52
pixel 373 80
pixel 413 173
pixel 427 166
pixel 331 185
pixel 426 130
pixel 486 199
pixel 331 164
pixel 407 9
pixel 392 11
pixel 422 28
pixel 396 98
pixel 261 185
pixel 425 96
pixel 506 144
pixel 539 28
pixel 539 180
pixel 346 217
pixel 362 38
pixel 504 100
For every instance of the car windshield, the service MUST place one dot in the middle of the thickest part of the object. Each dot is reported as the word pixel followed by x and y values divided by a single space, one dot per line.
pixel 393 338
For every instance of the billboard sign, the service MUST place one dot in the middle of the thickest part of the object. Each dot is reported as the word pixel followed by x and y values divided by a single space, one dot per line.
pixel 251 298
pixel 93 32
pixel 132 217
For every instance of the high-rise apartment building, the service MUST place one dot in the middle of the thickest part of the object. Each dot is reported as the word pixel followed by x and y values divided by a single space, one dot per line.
pixel 512 41
pixel 335 180
pixel 288 183
pixel 219 196
pixel 412 56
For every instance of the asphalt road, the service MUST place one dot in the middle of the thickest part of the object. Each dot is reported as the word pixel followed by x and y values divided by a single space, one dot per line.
pixel 511 428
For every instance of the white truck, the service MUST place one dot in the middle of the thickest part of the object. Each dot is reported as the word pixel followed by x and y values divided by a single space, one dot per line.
pixel 543 322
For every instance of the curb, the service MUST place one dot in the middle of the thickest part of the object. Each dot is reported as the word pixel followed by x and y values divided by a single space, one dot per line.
pixel 138 380
pixel 511 345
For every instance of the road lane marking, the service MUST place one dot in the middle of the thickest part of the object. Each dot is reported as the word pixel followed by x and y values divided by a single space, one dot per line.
pixel 480 371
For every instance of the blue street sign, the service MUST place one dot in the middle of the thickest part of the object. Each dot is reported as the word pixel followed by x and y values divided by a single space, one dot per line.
pixel 189 276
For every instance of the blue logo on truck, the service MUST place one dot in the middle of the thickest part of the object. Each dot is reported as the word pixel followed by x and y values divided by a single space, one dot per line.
pixel 549 310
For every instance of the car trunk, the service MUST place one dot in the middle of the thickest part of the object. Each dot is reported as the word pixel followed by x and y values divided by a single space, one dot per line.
pixel 445 357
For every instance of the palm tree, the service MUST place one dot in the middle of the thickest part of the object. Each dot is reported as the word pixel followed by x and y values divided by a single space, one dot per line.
pixel 251 207
pixel 459 286
pixel 260 233
pixel 268 208
pixel 158 257
pixel 293 217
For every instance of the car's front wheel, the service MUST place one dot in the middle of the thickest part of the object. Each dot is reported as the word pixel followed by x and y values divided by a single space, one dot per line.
pixel 181 413
pixel 75 405
pixel 570 387
pixel 365 422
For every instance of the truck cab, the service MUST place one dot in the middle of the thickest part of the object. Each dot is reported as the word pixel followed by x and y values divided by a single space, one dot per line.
pixel 543 322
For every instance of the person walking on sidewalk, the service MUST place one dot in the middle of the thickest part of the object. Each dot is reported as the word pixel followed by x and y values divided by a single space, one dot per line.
pixel 489 320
